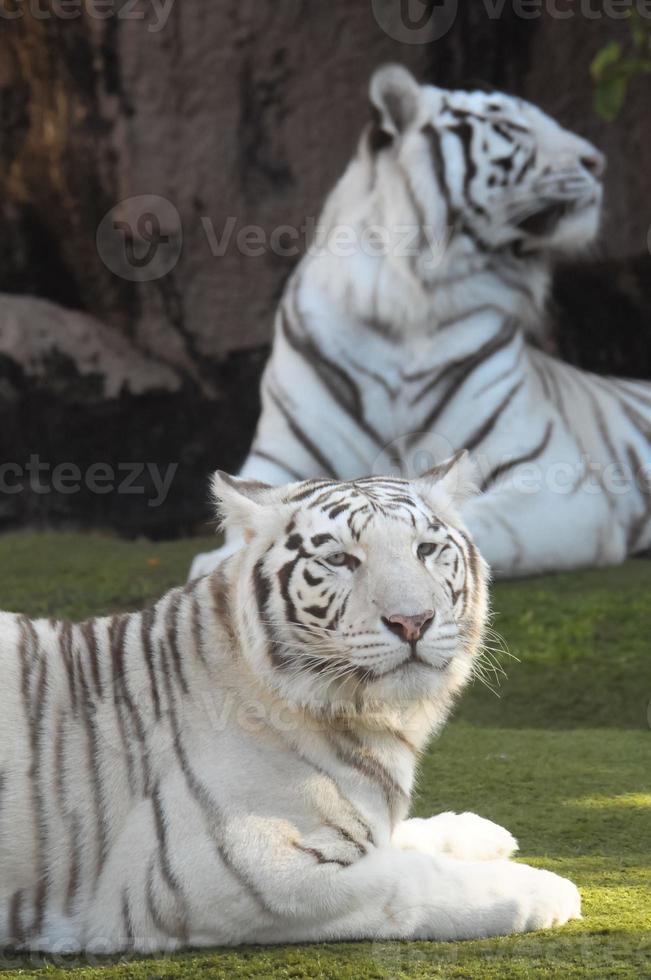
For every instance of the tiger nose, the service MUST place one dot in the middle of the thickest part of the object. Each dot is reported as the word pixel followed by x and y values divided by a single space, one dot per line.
pixel 409 628
pixel 595 163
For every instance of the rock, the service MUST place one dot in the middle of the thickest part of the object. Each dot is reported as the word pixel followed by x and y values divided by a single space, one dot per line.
pixel 96 434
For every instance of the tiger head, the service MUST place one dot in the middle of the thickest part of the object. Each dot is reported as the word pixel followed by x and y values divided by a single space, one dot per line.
pixel 487 181
pixel 357 593
pixel 507 174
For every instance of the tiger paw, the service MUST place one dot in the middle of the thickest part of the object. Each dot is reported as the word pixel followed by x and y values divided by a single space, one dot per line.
pixel 464 836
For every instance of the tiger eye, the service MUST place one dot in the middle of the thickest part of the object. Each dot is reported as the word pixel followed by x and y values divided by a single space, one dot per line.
pixel 426 549
pixel 342 559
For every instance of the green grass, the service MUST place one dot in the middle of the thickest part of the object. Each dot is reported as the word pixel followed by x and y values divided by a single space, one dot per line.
pixel 562 758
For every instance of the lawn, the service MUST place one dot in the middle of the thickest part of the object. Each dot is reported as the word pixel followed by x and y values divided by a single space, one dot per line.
pixel 561 755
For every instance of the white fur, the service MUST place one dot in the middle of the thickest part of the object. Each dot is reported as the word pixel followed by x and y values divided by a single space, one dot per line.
pixel 256 799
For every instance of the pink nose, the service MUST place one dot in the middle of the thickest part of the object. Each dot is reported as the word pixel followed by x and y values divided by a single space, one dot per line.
pixel 595 162
pixel 409 628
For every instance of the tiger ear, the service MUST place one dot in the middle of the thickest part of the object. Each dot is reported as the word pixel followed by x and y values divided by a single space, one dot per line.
pixel 454 480
pixel 242 503
pixel 395 96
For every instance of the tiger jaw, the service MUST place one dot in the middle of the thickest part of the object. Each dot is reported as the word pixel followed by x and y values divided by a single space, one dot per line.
pixel 562 225
pixel 415 659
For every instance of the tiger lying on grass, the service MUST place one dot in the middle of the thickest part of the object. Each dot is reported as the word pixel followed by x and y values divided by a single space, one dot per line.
pixel 404 332
pixel 235 764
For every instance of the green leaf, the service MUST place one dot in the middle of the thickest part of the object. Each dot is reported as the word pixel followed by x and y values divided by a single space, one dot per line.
pixel 634 66
pixel 639 31
pixel 606 58
pixel 609 96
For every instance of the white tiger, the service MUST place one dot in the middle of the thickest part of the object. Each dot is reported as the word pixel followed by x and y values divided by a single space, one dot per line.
pixel 235 764
pixel 385 359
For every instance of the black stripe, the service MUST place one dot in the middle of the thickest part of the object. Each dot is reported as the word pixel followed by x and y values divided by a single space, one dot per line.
pixel 222 607
pixel 262 591
pixel 172 633
pixel 74 871
pixel 438 163
pixel 375 376
pixel 487 427
pixel 343 833
pixel 65 646
pixel 178 929
pixel 116 633
pixel 526 166
pixel 127 921
pixel 17 930
pixel 196 628
pixel 472 557
pixel 319 539
pixel 33 689
pixel 96 782
pixel 534 453
pixel 343 389
pixel 320 856
pixel 284 578
pixel 636 529
pixel 167 871
pixel 465 133
pixel 303 438
pixel 311 487
pixel 461 370
pixel 320 612
pixel 87 631
pixel 364 762
pixel 147 624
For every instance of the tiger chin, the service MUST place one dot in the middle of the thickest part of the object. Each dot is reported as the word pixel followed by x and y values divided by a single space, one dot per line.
pixel 235 764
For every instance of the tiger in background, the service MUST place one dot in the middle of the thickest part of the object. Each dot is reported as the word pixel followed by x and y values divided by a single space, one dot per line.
pixel 235 765
pixel 386 358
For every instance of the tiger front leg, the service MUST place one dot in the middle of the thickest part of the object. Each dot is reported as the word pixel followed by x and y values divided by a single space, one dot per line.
pixel 392 894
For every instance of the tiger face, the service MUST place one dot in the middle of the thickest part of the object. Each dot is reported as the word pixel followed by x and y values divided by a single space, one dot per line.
pixel 493 169
pixel 369 589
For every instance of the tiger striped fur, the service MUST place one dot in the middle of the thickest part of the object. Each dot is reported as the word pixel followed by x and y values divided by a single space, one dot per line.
pixel 235 764
pixel 385 358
